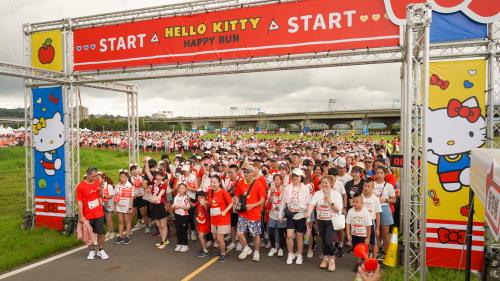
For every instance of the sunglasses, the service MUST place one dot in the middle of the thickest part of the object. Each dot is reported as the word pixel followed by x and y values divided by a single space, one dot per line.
pixel 247 171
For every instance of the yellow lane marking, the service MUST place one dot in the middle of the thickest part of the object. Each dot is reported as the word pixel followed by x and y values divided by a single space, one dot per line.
pixel 201 268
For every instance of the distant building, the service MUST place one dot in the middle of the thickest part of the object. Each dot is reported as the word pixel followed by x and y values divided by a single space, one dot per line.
pixel 162 115
pixel 84 112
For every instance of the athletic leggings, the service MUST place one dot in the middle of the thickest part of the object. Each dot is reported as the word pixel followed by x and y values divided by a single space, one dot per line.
pixel 281 237
pixel 326 233
pixel 181 228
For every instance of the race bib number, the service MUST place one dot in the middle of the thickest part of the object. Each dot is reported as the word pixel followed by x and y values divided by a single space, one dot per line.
pixel 139 192
pixel 93 204
pixel 124 202
pixel 215 212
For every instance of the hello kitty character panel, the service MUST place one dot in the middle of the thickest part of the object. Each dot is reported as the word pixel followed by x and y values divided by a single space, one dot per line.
pixel 48 136
pixel 48 142
pixel 455 131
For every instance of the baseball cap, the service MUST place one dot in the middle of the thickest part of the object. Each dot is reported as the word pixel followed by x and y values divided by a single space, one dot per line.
pixel 298 172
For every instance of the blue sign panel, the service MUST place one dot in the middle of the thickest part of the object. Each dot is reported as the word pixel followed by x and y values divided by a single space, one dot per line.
pixel 455 27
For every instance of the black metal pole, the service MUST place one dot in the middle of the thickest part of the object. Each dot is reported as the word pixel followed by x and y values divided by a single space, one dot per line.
pixel 470 220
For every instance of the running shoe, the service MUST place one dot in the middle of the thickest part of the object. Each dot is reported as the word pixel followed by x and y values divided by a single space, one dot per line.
pixel 245 252
pixel 203 253
pixel 91 255
pixel 118 240
pixel 102 254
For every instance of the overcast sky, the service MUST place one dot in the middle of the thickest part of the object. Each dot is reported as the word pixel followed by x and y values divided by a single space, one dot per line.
pixel 356 87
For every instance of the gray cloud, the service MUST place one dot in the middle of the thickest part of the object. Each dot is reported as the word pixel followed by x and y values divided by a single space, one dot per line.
pixel 286 91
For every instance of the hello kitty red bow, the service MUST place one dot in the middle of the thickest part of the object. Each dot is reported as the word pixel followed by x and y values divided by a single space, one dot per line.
pixel 456 108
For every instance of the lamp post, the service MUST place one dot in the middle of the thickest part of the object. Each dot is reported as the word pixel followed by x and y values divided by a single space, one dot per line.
pixel 331 104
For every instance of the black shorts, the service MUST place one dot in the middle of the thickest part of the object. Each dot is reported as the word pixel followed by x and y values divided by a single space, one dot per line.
pixel 139 202
pixel 298 225
pixel 357 240
pixel 98 225
pixel 158 211
pixel 234 219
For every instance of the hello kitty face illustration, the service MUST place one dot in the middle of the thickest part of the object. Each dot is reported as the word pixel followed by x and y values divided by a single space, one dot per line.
pixel 48 134
pixel 456 129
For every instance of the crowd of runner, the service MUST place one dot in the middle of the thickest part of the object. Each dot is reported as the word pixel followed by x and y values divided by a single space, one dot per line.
pixel 293 198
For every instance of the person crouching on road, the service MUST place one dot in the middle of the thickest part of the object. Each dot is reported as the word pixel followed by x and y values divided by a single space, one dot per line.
pixel 123 205
pixel 90 210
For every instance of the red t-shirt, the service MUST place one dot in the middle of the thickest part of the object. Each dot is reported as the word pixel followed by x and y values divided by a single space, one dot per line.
pixel 390 179
pixel 202 215
pixel 316 180
pixel 256 194
pixel 264 182
pixel 155 190
pixel 88 193
pixel 221 199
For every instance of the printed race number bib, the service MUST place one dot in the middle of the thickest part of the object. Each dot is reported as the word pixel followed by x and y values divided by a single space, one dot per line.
pixel 93 204
pixel 215 212
pixel 124 202
pixel 139 192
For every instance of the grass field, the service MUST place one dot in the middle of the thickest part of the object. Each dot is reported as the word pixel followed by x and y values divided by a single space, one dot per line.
pixel 18 247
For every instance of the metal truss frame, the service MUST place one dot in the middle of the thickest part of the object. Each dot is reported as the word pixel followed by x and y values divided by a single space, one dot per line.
pixel 35 77
pixel 415 55
pixel 415 101
pixel 493 123
pixel 477 48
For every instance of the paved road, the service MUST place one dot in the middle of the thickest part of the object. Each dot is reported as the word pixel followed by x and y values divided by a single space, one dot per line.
pixel 141 260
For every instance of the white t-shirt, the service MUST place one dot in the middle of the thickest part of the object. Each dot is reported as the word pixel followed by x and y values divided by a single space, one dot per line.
pixel 189 180
pixel 345 178
pixel 181 201
pixel 275 198
pixel 339 187
pixel 324 210
pixel 358 220
pixel 384 189
pixel 372 204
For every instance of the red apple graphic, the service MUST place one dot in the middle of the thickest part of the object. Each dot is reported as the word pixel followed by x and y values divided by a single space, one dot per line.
pixel 46 52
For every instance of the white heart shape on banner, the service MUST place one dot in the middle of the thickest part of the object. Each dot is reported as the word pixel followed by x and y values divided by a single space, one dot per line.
pixel 472 72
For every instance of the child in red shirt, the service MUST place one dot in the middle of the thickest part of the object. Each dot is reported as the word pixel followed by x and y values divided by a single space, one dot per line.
pixel 203 223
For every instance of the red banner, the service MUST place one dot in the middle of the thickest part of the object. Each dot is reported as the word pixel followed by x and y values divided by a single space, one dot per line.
pixel 277 29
